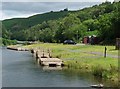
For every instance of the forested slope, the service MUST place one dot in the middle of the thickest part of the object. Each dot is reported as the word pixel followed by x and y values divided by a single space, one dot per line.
pixel 101 20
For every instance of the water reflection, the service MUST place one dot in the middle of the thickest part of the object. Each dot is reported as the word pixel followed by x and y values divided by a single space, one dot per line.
pixel 0 66
pixel 52 68
pixel 88 76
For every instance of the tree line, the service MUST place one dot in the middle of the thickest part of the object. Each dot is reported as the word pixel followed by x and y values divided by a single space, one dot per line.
pixel 101 20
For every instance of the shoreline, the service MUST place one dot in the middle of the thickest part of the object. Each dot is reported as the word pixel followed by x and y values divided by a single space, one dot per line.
pixel 105 68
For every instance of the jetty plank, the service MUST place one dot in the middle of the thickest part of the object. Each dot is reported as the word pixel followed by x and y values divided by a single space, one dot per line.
pixel 43 57
pixel 17 48
pixel 50 61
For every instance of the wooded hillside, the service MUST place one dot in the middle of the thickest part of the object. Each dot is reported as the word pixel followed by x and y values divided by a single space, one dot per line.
pixel 101 20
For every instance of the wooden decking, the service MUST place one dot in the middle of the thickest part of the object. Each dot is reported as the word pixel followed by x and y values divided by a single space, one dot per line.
pixel 44 58
pixel 17 48
pixel 50 61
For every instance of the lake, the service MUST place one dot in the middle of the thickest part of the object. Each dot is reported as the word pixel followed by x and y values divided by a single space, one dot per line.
pixel 19 69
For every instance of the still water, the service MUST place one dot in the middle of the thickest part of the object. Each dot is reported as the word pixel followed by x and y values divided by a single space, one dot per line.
pixel 20 69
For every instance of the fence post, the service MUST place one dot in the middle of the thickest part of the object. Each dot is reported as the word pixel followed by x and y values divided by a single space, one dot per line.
pixel 105 52
pixel 117 47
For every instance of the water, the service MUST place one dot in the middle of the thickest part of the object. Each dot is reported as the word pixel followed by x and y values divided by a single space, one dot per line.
pixel 0 67
pixel 21 70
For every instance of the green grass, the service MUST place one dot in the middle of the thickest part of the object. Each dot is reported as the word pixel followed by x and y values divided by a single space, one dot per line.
pixel 79 57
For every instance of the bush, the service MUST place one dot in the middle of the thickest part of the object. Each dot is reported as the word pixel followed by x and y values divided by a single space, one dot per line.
pixel 8 42
pixel 97 71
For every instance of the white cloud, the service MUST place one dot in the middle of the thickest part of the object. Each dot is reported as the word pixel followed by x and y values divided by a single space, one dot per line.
pixel 55 0
pixel 0 11
pixel 25 8
pixel 14 14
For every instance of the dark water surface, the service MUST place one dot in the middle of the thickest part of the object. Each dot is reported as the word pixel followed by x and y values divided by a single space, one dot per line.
pixel 19 69
pixel 0 67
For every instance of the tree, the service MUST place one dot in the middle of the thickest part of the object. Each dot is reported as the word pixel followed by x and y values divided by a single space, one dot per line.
pixel 83 15
pixel 65 31
pixel 66 9
pixel 105 27
pixel 92 24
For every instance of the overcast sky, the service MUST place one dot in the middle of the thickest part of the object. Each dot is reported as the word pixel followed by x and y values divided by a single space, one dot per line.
pixel 23 8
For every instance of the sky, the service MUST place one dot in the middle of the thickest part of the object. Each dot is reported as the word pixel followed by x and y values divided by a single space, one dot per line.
pixel 25 8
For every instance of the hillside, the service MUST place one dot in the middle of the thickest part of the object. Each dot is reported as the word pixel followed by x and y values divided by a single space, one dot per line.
pixel 101 20
pixel 23 23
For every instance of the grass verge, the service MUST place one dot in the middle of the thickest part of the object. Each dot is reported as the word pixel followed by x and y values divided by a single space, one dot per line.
pixel 81 57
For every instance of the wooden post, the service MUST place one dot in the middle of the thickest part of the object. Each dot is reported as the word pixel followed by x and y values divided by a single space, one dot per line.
pixel 49 53
pixel 105 52
pixel 43 53
pixel 117 44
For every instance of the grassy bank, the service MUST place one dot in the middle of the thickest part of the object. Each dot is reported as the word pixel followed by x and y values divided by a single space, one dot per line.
pixel 86 57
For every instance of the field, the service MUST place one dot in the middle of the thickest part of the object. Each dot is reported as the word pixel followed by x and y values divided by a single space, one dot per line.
pixel 86 58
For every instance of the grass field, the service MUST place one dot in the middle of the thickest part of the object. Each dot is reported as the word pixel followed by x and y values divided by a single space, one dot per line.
pixel 86 57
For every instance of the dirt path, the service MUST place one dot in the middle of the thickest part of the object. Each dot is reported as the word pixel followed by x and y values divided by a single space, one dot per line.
pixel 95 53
pixel 102 54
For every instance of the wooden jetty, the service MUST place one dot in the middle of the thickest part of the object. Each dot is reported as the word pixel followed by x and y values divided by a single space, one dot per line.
pixel 45 59
pixel 50 61
pixel 42 54
pixel 17 48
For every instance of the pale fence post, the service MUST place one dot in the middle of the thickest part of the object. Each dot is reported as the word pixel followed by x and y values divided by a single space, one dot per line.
pixel 117 47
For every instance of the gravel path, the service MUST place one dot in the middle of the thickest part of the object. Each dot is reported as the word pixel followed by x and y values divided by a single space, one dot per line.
pixel 95 53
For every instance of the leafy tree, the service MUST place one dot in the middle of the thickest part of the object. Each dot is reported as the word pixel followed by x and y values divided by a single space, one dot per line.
pixel 92 24
pixel 66 24
pixel 66 9
pixel 84 15
pixel 102 20
pixel 105 26
pixel 5 32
